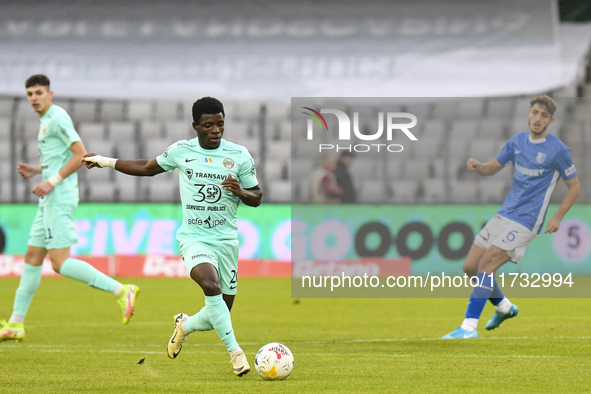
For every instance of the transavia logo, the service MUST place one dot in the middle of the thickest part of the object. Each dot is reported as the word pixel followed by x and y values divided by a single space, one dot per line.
pixel 345 130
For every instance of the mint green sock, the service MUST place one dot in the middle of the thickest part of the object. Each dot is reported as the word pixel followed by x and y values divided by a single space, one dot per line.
pixel 84 272
pixel 219 315
pixel 199 322
pixel 27 287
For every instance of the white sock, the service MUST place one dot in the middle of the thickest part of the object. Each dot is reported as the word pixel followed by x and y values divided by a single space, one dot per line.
pixel 117 289
pixel 235 351
pixel 184 327
pixel 503 306
pixel 16 319
pixel 470 324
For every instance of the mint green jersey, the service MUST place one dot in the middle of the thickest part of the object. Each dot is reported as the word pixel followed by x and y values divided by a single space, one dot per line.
pixel 209 211
pixel 56 135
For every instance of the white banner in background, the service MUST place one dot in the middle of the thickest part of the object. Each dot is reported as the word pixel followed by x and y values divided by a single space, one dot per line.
pixel 272 50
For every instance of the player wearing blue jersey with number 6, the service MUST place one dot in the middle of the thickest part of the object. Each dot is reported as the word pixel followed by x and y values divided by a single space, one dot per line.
pixel 539 160
pixel 215 176
pixel 53 233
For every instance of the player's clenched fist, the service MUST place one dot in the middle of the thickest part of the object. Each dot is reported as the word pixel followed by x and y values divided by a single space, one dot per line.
pixel 472 164
pixel 43 189
pixel 232 185
pixel 553 225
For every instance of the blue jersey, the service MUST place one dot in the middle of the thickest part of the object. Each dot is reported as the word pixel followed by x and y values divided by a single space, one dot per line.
pixel 538 164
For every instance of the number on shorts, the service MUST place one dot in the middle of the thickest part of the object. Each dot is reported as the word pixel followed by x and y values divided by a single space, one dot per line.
pixel 48 235
pixel 233 280
pixel 511 236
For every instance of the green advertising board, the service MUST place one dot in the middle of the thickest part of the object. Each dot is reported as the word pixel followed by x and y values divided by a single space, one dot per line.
pixel 132 229
pixel 436 237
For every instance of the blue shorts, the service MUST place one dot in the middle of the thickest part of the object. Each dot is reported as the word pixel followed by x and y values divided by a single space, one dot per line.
pixel 222 255
pixel 53 227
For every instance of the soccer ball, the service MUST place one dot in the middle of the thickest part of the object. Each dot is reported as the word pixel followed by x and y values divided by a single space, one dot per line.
pixel 274 361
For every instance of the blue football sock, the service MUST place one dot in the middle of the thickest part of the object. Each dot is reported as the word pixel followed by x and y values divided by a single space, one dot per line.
pixel 199 322
pixel 497 294
pixel 479 295
pixel 219 315
pixel 27 287
pixel 84 272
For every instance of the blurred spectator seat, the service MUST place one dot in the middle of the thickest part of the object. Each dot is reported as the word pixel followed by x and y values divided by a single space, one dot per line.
pixel 280 191
pixel 405 191
pixel 84 111
pixel 112 111
pixel 433 191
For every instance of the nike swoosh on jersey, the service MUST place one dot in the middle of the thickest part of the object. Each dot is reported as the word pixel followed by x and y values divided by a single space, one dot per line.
pixel 517 152
pixel 187 160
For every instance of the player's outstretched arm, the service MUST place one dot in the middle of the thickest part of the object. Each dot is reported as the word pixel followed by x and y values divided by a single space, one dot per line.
pixel 251 197
pixel 129 167
pixel 574 189
pixel 486 169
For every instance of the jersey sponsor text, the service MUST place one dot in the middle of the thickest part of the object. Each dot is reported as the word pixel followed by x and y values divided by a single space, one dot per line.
pixel 527 171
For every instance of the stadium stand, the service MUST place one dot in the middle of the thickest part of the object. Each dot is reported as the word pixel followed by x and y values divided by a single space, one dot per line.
pixel 405 192
pixel 112 111
pixel 434 191
pixel 280 191
pixel 141 128
pixel 140 110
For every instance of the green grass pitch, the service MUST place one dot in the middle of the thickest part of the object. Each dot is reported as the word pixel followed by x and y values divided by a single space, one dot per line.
pixel 75 342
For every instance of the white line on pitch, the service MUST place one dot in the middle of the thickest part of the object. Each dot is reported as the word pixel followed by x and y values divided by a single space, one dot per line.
pixel 424 339
pixel 162 353
pixel 167 322
pixel 328 342
pixel 97 324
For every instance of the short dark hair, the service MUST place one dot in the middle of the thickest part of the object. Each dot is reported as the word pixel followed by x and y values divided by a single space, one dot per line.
pixel 37 79
pixel 545 101
pixel 207 105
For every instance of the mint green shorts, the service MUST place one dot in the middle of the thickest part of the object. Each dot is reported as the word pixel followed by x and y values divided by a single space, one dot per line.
pixel 222 255
pixel 53 227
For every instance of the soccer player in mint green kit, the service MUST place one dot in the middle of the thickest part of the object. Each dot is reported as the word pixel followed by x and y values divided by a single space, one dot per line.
pixel 61 151
pixel 215 176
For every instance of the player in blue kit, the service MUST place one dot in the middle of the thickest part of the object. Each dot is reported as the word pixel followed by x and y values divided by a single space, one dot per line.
pixel 539 160
pixel 215 175
pixel 53 233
